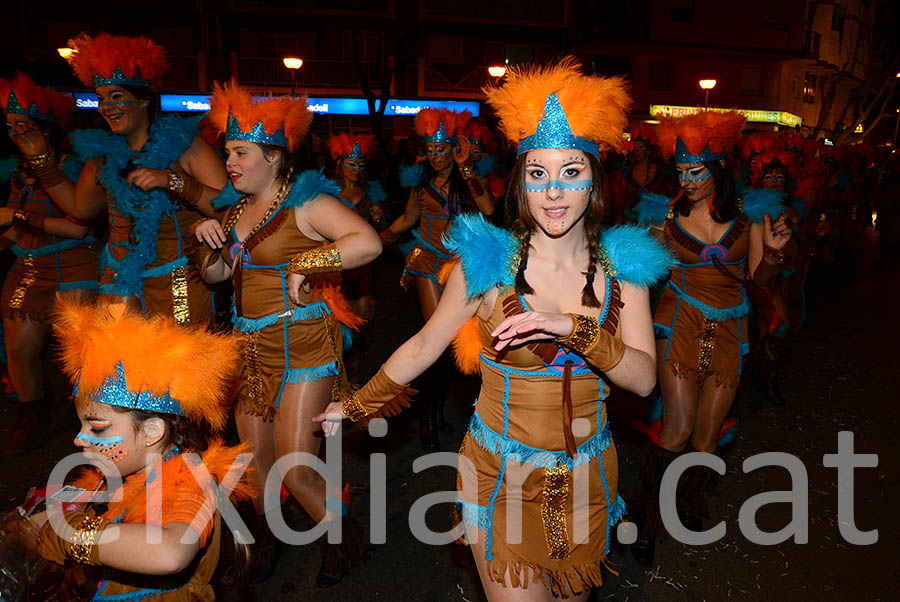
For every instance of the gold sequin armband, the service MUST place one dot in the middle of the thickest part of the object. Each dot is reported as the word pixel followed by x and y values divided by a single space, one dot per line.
pixel 84 548
pixel 599 347
pixel 175 183
pixel 380 397
pixel 316 261
pixel 585 332
pixel 44 160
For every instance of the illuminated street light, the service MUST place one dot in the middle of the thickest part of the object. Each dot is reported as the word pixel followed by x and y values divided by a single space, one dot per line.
pixel 66 53
pixel 497 71
pixel 707 85
pixel 293 63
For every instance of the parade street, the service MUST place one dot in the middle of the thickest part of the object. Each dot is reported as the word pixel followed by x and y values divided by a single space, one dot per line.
pixel 839 377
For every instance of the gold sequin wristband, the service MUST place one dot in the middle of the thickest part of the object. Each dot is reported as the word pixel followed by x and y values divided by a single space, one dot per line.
pixel 467 171
pixel 83 548
pixel 772 255
pixel 352 408
pixel 44 160
pixel 585 332
pixel 323 259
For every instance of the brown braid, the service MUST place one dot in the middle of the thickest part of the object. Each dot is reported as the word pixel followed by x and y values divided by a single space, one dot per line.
pixel 524 236
pixel 588 297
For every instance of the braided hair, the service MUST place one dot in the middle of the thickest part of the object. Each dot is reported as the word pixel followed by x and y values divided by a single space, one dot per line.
pixel 522 224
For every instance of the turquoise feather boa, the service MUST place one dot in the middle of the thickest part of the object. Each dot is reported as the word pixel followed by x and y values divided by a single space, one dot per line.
pixel 638 258
pixel 652 208
pixel 376 192
pixel 304 187
pixel 486 252
pixel 170 137
pixel 759 202
pixel 412 176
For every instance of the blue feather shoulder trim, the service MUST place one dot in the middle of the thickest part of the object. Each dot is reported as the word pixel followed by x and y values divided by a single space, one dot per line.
pixel 90 144
pixel 488 254
pixel 759 202
pixel 411 176
pixel 376 192
pixel 8 168
pixel 636 256
pixel 308 185
pixel 227 198
pixel 485 165
pixel 652 208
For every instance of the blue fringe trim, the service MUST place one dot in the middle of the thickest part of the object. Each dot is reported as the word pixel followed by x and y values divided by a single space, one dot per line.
pixel 309 312
pixel 638 258
pixel 656 410
pixel 652 208
pixel 486 252
pixel 8 167
pixel 662 332
pixel 474 515
pixel 485 165
pixel 496 443
pixel 308 185
pixel 78 285
pixel 165 269
pixel 376 192
pixel 227 198
pixel 57 247
pixel 615 514
pixel 745 348
pixel 411 176
pixel 759 202
pixel 713 313
pixel 170 137
pixel 305 375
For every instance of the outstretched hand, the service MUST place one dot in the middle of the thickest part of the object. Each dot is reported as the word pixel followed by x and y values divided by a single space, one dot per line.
pixel 776 235
pixel 331 418
pixel 462 151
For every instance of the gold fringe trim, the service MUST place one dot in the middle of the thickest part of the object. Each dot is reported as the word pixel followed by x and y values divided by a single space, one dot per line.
pixel 18 296
pixel 572 580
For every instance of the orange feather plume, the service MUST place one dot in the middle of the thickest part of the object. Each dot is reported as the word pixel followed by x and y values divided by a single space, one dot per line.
pixel 429 120
pixel 192 365
pixel 483 136
pixel 340 308
pixel 273 113
pixel 467 347
pixel 342 144
pixel 596 107
pixel 645 132
pixel 720 130
pixel 48 101
pixel 757 143
pixel 100 55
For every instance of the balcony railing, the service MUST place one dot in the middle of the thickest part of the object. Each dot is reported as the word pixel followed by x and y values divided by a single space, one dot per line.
pixel 471 83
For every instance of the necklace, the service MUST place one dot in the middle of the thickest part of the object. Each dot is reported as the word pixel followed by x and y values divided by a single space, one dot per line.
pixel 242 205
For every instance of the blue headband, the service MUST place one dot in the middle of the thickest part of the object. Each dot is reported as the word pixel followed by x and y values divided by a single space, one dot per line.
pixel 13 106
pixel 119 79
pixel 114 391
pixel 356 153
pixel 256 134
pixel 553 131
pixel 440 136
pixel 683 156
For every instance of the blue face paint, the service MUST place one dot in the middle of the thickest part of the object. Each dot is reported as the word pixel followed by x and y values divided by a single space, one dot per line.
pixel 99 441
pixel 438 153
pixel 686 176
pixel 112 104
pixel 558 184
pixel 355 165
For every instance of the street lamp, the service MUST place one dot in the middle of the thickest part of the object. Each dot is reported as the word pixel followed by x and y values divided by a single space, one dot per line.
pixel 497 71
pixel 707 85
pixel 293 63
pixel 66 53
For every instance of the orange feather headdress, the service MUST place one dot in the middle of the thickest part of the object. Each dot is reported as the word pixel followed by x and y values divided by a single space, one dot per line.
pixel 701 137
pixel 281 121
pixel 345 146
pixel 20 95
pixel 114 356
pixel 441 125
pixel 123 60
pixel 482 136
pixel 556 106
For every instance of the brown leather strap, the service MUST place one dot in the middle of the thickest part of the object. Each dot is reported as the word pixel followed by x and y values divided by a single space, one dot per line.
pixel 545 351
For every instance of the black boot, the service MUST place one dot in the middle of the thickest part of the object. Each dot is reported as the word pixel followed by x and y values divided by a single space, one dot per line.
pixel 433 385
pixel 339 558
pixel 693 487
pixel 32 426
pixel 773 392
pixel 265 551
pixel 647 516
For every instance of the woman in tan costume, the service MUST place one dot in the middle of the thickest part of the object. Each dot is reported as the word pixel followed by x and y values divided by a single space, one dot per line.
pixel 549 313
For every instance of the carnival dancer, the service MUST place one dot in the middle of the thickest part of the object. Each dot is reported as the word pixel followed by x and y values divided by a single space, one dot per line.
pixel 484 155
pixel 441 188
pixel 644 172
pixel 146 511
pixel 350 154
pixel 701 319
pixel 54 251
pixel 550 313
pixel 283 241
pixel 155 176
